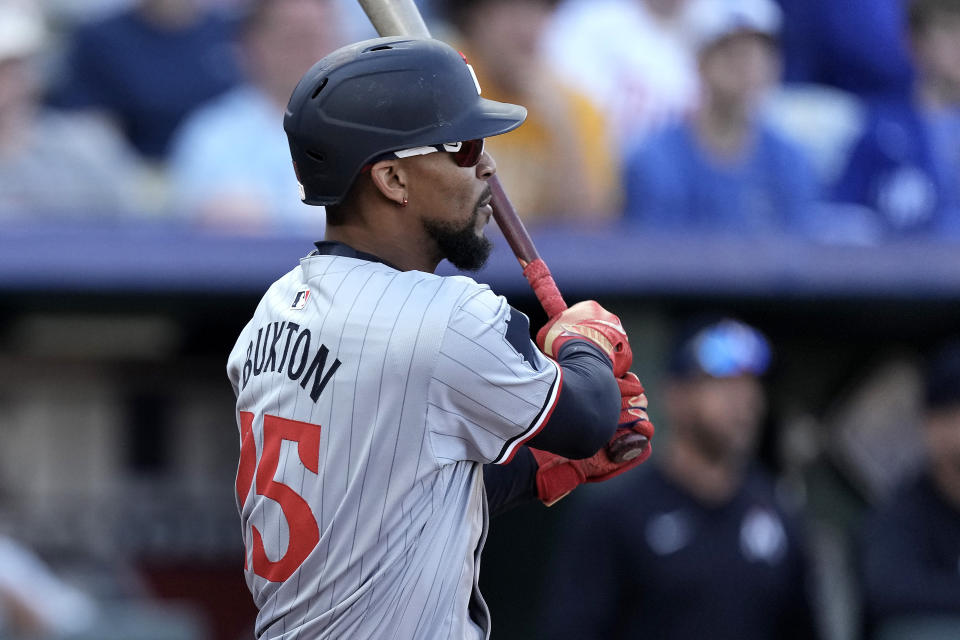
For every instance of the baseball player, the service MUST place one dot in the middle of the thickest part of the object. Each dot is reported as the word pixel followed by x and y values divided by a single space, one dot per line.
pixel 385 411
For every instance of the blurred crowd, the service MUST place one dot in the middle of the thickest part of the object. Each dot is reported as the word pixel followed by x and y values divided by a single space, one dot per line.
pixel 833 122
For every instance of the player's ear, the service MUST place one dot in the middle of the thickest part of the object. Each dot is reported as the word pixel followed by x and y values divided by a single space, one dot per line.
pixel 390 179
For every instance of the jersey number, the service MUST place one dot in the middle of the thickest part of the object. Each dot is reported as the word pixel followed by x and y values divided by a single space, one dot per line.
pixel 301 523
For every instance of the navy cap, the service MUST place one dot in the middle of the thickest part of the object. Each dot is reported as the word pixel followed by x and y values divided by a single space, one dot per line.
pixel 721 348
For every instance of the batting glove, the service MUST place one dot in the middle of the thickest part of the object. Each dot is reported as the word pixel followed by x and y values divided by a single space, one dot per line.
pixel 557 476
pixel 587 320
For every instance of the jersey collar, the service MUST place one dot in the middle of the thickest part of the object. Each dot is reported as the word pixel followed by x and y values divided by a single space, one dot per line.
pixel 330 248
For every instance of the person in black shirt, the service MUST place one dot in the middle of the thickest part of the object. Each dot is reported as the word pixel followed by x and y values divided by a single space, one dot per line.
pixel 911 545
pixel 695 545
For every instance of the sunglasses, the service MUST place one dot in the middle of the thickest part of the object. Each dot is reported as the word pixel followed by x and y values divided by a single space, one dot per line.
pixel 465 154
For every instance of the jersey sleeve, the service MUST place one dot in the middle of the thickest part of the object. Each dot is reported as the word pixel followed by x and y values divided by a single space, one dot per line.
pixel 491 388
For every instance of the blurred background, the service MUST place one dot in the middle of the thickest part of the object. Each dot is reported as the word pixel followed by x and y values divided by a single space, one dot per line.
pixel 795 164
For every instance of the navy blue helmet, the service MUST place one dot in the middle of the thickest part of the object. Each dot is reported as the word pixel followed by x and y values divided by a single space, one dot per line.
pixel 383 95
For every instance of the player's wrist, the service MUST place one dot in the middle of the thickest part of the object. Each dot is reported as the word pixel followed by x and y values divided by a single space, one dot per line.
pixel 576 348
pixel 556 476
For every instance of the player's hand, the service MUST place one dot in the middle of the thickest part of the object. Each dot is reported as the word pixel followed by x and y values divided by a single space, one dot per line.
pixel 634 428
pixel 587 320
pixel 557 476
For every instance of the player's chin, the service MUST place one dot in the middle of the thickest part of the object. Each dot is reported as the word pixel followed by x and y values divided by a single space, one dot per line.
pixel 464 246
pixel 468 250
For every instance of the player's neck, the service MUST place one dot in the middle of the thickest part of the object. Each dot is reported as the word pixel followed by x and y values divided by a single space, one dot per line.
pixel 724 128
pixel 391 246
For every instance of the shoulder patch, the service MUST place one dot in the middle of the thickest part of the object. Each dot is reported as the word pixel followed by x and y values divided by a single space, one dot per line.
pixel 300 300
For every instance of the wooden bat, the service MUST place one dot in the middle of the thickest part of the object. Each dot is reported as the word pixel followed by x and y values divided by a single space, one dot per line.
pixel 402 18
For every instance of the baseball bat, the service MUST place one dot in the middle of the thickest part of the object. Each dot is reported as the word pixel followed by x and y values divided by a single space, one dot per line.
pixel 402 18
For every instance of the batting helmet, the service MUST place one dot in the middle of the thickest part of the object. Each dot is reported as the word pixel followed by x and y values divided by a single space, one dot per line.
pixel 383 95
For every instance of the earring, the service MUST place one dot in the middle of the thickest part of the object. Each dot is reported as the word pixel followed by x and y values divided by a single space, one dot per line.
pixel 403 203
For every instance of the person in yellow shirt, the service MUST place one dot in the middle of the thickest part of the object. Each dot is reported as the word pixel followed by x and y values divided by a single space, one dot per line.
pixel 561 165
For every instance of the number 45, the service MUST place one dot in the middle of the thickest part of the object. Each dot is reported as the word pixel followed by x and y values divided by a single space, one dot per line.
pixel 301 523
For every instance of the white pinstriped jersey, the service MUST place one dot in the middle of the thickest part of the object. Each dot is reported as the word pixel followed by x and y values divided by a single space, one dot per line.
pixel 367 400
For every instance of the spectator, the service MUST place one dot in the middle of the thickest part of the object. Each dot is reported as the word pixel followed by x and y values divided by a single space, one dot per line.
pixel 52 164
pixel 148 66
pixel 911 545
pixel 695 545
pixel 723 170
pixel 560 164
pixel 230 162
pixel 906 166
pixel 857 46
pixel 630 56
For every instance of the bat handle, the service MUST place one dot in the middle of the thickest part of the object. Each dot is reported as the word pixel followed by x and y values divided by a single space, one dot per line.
pixel 540 279
pixel 534 268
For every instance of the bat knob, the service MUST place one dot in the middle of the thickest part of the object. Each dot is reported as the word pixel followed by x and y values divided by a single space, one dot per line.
pixel 627 447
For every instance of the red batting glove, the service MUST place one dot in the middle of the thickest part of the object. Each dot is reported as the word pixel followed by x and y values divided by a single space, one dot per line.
pixel 557 476
pixel 588 320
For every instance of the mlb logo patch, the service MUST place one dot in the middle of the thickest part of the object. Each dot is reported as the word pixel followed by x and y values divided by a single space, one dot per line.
pixel 300 300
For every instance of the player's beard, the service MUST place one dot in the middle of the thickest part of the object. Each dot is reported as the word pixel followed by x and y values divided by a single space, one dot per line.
pixel 461 244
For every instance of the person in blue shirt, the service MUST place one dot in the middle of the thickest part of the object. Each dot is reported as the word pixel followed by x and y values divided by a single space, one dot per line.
pixel 229 162
pixel 906 165
pixel 855 45
pixel 147 67
pixel 722 170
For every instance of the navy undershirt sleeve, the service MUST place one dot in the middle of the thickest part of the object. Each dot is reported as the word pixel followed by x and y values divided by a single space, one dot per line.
pixel 588 408
pixel 510 485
